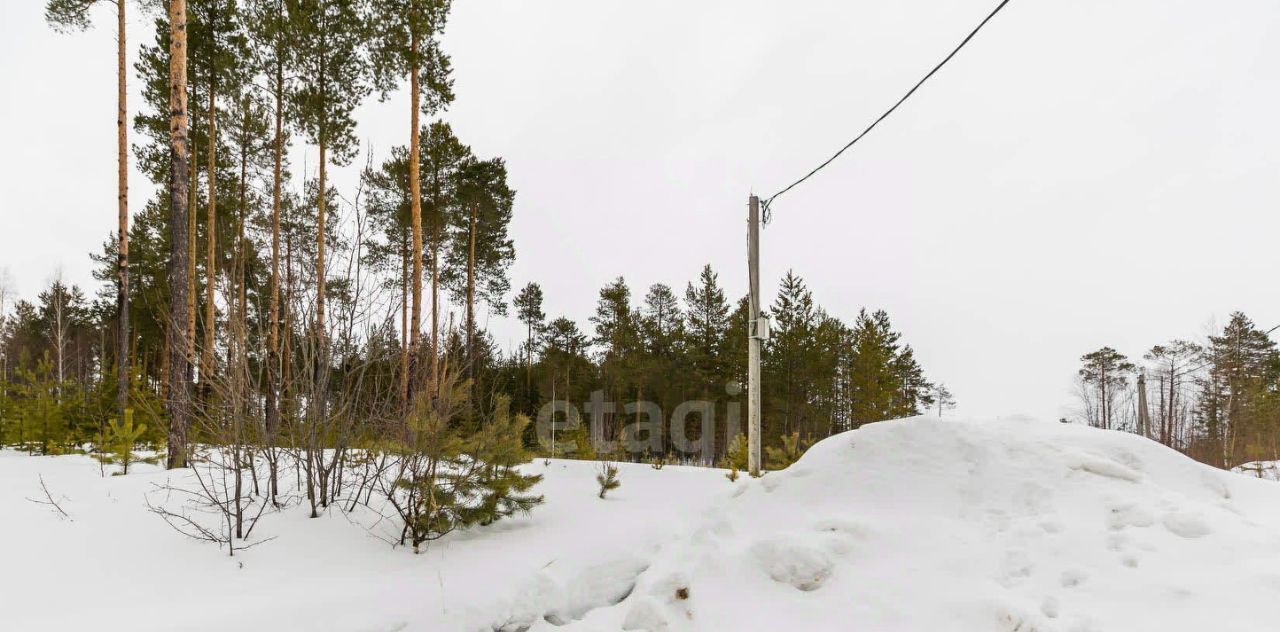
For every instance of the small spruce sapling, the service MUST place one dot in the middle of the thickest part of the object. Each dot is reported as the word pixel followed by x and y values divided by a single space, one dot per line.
pixel 790 452
pixel 608 478
pixel 121 438
pixel 735 455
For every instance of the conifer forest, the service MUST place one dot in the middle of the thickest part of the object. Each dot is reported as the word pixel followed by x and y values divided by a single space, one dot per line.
pixel 313 381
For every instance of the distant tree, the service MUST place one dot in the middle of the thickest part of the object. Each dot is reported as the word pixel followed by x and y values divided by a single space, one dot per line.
pixel 942 398
pixel 1107 372
pixel 62 310
pixel 706 327
pixel 528 305
pixel 1239 415
pixel 1173 367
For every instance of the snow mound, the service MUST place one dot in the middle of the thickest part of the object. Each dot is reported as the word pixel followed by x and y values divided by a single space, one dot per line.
pixel 926 524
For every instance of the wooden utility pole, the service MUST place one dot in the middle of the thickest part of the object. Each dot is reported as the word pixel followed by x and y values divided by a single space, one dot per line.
pixel 1144 413
pixel 753 336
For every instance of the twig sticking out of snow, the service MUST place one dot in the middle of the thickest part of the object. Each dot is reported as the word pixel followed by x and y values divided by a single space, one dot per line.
pixel 50 501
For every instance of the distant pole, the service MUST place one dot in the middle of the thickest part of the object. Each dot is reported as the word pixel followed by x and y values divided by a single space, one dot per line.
pixel 1144 415
pixel 753 335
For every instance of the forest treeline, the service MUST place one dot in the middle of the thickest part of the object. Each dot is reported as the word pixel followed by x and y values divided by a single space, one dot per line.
pixel 1217 400
pixel 238 307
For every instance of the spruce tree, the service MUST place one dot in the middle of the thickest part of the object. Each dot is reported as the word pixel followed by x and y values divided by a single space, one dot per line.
pixel 706 327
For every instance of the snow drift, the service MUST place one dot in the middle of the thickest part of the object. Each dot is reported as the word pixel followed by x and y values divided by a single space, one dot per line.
pixel 911 525
pixel 926 524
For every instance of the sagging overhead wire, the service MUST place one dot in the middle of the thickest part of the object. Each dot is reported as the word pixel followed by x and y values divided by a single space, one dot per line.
pixel 765 204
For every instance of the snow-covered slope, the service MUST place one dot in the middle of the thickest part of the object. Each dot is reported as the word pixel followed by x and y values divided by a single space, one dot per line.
pixel 922 524
pixel 910 525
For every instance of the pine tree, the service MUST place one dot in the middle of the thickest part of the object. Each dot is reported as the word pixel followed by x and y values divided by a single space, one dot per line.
pixel 528 305
pixel 1174 364
pixel 480 250
pixel 389 208
pixel 121 439
pixel 328 44
pixel 943 398
pixel 1106 370
pixel 74 15
pixel 789 450
pixel 268 26
pixel 406 43
pixel 442 157
pixel 607 478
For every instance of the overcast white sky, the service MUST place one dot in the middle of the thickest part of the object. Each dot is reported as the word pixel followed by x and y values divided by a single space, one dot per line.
pixel 1085 173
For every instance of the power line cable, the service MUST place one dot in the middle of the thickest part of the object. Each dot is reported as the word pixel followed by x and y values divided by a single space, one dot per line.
pixel 766 203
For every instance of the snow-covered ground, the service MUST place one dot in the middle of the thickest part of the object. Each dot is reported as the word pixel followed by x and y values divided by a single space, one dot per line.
pixel 910 525
pixel 1269 470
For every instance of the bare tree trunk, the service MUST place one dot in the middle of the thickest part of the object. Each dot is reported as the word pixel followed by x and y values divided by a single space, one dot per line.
pixel 179 400
pixel 123 364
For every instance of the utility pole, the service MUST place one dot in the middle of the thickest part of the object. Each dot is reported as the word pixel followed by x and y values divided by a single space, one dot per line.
pixel 1144 414
pixel 754 338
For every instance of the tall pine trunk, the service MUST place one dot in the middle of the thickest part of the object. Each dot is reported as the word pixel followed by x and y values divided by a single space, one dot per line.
pixel 404 322
pixel 435 296
pixel 471 295
pixel 415 204
pixel 178 404
pixel 211 238
pixel 192 196
pixel 320 218
pixel 273 326
pixel 123 363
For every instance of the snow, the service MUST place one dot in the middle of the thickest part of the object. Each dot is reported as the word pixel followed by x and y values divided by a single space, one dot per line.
pixel 909 525
pixel 1269 470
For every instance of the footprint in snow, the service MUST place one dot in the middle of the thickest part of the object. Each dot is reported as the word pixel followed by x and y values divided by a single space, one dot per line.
pixel 1072 578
